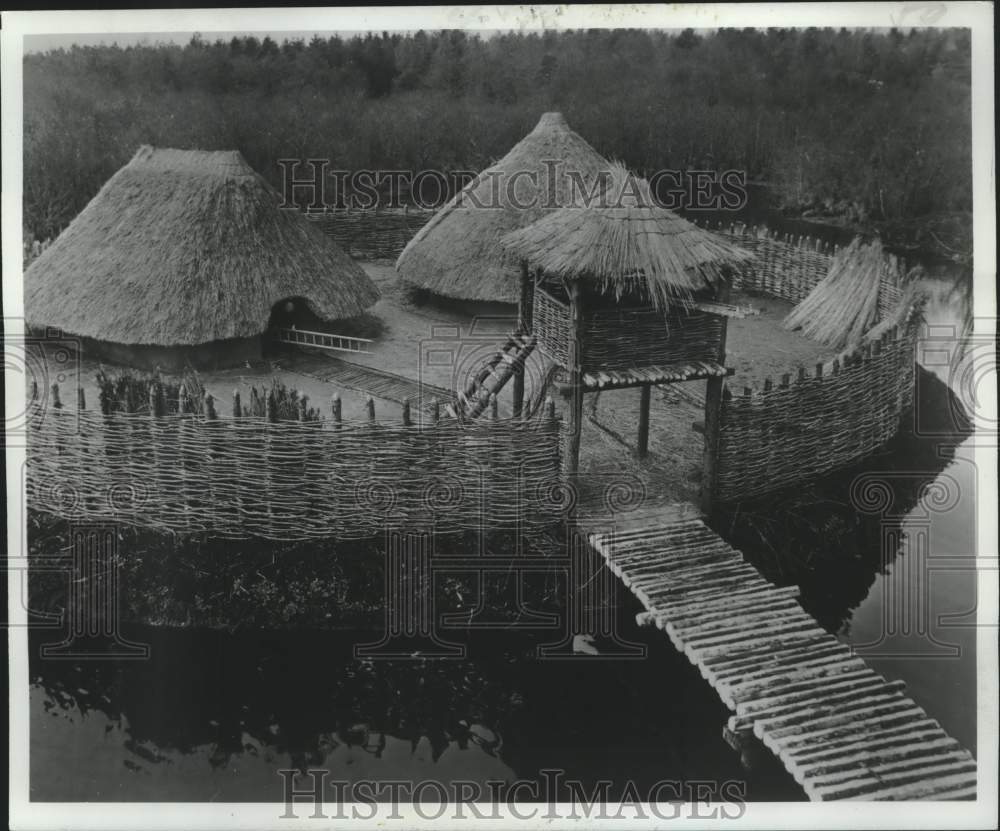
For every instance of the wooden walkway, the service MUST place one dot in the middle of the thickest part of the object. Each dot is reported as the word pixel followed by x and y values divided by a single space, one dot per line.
pixel 842 730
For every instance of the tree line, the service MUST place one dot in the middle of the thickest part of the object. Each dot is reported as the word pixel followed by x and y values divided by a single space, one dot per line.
pixel 875 123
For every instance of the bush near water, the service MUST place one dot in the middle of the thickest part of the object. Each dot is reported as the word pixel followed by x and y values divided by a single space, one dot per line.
pixel 862 125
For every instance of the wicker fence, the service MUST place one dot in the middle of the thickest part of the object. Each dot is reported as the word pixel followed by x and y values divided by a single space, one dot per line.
pixel 811 423
pixel 289 480
pixel 789 267
pixel 375 234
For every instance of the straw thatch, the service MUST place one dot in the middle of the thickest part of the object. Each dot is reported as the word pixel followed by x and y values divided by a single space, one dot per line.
pixel 626 243
pixel 845 304
pixel 184 247
pixel 458 253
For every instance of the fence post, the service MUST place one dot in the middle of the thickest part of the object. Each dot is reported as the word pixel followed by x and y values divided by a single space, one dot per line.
pixel 237 405
pixel 370 406
pixel 435 411
pixel 642 445
pixel 407 421
pixel 336 407
pixel 183 404
pixel 713 413
pixel 81 400
pixel 210 427
pixel 56 403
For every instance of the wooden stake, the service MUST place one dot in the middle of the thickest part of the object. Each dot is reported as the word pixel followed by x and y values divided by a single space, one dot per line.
pixel 713 411
pixel 642 445
pixel 407 421
pixel 575 371
pixel 525 321
pixel 336 407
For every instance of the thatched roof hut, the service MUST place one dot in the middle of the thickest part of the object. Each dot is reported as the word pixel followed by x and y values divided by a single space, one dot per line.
pixel 458 253
pixel 625 243
pixel 187 250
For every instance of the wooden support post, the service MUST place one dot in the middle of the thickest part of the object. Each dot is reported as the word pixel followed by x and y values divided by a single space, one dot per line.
pixel 237 405
pixel 642 446
pixel 713 411
pixel 370 405
pixel 337 408
pixel 407 420
pixel 81 399
pixel 524 324
pixel 575 371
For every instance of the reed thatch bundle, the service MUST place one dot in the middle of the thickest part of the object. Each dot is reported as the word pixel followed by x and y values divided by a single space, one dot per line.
pixel 458 252
pixel 626 243
pixel 184 247
pixel 844 305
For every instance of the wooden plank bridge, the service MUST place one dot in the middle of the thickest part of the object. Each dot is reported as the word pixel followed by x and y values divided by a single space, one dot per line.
pixel 840 729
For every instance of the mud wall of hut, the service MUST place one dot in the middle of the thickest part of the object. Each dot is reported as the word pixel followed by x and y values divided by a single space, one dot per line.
pixel 252 477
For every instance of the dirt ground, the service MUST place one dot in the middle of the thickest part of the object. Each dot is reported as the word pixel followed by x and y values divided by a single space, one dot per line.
pixel 441 343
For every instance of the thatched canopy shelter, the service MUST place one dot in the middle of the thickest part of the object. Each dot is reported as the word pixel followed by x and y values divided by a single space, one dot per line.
pixel 458 252
pixel 182 256
pixel 617 299
pixel 625 243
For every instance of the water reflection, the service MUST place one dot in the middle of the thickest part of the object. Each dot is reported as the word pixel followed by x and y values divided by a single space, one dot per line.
pixel 216 715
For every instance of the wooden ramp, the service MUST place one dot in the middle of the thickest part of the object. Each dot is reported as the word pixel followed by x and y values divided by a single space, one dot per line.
pixel 374 382
pixel 842 730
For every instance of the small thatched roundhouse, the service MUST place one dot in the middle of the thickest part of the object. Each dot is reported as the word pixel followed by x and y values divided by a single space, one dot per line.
pixel 625 293
pixel 458 253
pixel 641 273
pixel 181 259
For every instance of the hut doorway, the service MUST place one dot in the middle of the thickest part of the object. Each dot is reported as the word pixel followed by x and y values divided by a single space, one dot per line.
pixel 294 323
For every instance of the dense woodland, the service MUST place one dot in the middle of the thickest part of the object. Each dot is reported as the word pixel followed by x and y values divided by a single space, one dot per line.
pixel 863 125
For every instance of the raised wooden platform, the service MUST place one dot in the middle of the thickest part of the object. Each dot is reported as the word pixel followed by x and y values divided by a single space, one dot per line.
pixel 843 731
pixel 637 377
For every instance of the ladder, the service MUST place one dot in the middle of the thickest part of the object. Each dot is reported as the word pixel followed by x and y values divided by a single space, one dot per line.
pixel 322 340
pixel 472 401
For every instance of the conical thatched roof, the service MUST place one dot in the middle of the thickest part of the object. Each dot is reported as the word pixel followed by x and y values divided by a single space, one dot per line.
pixel 184 247
pixel 626 242
pixel 458 253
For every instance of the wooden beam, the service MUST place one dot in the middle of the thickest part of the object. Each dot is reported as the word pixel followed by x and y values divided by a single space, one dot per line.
pixel 713 412
pixel 524 323
pixel 642 445
pixel 575 372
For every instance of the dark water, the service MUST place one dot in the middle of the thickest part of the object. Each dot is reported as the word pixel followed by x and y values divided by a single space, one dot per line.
pixel 214 716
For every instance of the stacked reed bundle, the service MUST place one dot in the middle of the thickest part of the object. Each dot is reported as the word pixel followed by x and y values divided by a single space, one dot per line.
pixel 845 304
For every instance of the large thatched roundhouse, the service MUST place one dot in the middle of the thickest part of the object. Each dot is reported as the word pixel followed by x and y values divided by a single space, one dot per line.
pixel 182 259
pixel 458 253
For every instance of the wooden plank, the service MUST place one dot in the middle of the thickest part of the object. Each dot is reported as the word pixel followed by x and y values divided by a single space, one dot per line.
pixel 837 726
